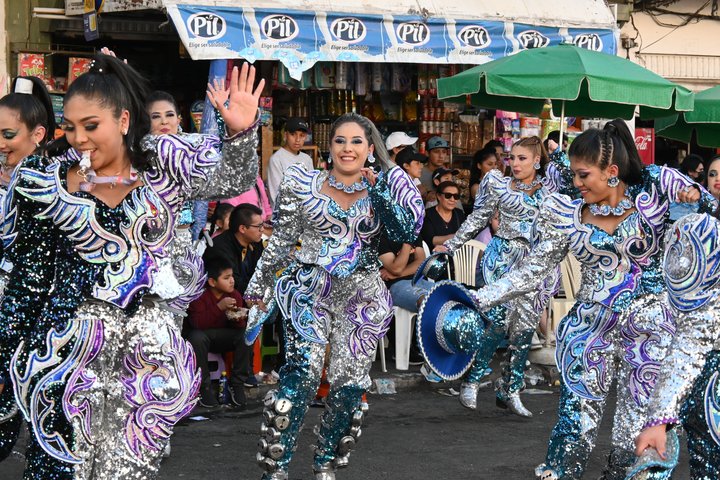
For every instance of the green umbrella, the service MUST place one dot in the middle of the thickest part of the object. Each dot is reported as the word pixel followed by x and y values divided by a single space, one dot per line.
pixel 704 120
pixel 579 81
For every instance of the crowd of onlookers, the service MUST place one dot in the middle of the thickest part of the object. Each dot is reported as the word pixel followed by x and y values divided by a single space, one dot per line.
pixel 238 228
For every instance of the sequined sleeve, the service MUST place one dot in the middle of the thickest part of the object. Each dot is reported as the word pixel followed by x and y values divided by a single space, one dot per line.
pixel 559 176
pixel 535 268
pixel 287 229
pixel 203 166
pixel 30 246
pixel 692 276
pixel 397 202
pixel 486 202
pixel 671 183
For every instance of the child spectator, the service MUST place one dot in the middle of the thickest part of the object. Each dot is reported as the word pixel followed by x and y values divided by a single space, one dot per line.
pixel 220 220
pixel 217 322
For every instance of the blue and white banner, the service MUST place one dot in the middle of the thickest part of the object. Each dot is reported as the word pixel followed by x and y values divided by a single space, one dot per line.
pixel 300 38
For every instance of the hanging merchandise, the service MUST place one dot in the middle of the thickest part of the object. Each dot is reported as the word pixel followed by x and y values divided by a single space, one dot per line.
pixel 341 75
pixel 376 77
pixel 361 79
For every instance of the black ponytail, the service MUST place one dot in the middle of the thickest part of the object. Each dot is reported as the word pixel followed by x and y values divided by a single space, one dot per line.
pixel 116 85
pixel 33 109
pixel 613 145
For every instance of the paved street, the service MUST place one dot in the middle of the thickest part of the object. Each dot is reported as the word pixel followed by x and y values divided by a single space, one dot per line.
pixel 416 434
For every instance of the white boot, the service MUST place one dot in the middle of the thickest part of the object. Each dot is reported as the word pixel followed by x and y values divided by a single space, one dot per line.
pixel 468 395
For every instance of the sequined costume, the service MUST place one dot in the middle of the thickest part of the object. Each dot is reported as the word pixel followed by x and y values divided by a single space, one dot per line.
pixel 513 241
pixel 95 357
pixel 330 293
pixel 9 414
pixel 620 324
pixel 688 385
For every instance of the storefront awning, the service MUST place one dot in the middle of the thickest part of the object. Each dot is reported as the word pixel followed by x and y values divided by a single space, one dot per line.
pixel 300 33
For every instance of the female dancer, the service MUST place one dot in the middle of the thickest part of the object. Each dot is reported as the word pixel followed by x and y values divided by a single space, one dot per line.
pixel 332 292
pixel 688 385
pixel 27 123
pixel 518 200
pixel 619 325
pixel 100 371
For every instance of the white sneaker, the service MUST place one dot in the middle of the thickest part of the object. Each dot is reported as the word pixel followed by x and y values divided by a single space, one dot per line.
pixel 429 375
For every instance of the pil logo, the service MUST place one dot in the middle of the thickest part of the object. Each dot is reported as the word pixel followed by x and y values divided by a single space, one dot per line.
pixel 206 25
pixel 590 41
pixel 533 39
pixel 279 27
pixel 348 29
pixel 413 33
pixel 474 36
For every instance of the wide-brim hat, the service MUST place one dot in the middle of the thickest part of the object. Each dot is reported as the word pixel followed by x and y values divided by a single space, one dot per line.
pixel 257 318
pixel 449 329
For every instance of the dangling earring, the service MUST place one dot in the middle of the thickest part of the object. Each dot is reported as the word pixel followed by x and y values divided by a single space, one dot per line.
pixel 613 181
pixel 329 161
pixel 371 158
pixel 536 166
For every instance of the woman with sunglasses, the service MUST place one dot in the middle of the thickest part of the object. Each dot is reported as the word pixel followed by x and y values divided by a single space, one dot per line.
pixel 27 124
pixel 518 200
pixel 444 219
pixel 331 293
pixel 97 363
pixel 620 324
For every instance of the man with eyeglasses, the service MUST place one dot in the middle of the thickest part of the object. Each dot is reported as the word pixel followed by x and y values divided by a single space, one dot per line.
pixel 242 245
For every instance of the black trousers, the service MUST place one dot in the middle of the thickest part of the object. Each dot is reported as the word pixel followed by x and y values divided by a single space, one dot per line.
pixel 221 340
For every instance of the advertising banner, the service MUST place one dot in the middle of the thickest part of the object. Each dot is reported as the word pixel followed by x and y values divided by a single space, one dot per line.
pixel 300 38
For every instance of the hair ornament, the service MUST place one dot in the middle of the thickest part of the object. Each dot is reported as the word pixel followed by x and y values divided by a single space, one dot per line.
pixel 24 86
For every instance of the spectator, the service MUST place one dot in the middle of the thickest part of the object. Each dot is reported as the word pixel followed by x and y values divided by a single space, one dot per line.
pixel 217 322
pixel 444 219
pixel 398 141
pixel 713 176
pixel 438 149
pixel 499 149
pixel 484 161
pixel 296 131
pixel 220 220
pixel 256 196
pixel 241 243
pixel 412 163
pixel 693 167
pixel 400 262
pixel 439 176
pixel 555 137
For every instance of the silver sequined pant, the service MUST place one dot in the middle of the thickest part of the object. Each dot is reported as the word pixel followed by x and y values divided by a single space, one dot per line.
pixel 130 380
pixel 595 347
pixel 347 373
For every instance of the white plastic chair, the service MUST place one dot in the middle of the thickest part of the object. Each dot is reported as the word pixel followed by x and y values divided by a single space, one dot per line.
pixel 381 346
pixel 403 337
pixel 465 261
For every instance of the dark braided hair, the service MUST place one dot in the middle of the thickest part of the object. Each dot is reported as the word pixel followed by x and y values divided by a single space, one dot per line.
pixel 613 145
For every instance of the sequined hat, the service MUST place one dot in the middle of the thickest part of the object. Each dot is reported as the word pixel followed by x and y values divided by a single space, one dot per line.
pixel 449 329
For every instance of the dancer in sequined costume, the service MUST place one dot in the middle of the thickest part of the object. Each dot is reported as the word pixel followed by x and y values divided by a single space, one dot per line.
pixel 518 200
pixel 688 386
pixel 331 293
pixel 27 122
pixel 620 325
pixel 98 367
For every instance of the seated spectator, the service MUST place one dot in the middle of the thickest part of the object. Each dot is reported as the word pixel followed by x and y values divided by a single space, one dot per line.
pixel 217 322
pixel 444 219
pixel 499 149
pixel 412 163
pixel 241 243
pixel 400 262
pixel 483 162
pixel 398 141
pixel 438 156
pixel 220 219
pixel 439 176
pixel 693 166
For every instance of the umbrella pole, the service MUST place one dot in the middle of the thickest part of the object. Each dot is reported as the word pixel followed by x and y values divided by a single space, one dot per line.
pixel 562 125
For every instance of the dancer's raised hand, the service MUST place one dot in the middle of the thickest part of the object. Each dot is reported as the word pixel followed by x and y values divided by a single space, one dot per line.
pixel 243 99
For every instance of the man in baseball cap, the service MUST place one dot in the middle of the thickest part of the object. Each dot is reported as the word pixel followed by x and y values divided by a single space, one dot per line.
pixel 438 151
pixel 296 132
pixel 397 141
